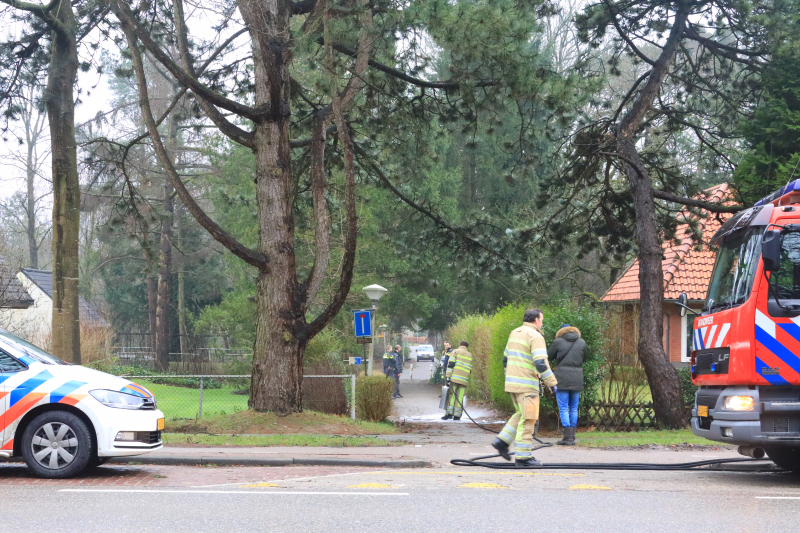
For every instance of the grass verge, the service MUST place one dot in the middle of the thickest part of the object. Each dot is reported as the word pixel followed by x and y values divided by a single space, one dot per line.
pixel 610 439
pixel 305 423
pixel 330 441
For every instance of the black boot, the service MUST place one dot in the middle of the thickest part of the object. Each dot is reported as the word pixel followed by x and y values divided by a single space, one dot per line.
pixel 502 448
pixel 527 463
pixel 569 433
pixel 571 440
pixel 448 416
pixel 456 418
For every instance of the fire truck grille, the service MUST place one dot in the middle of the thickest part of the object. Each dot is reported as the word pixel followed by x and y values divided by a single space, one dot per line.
pixel 780 425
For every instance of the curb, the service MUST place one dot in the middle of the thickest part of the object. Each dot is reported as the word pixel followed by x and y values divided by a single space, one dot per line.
pixel 247 460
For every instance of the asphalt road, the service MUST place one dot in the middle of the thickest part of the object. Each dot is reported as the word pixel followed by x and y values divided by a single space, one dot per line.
pixel 419 500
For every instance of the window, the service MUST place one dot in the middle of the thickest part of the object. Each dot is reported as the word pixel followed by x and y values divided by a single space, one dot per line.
pixel 9 364
pixel 29 350
pixel 786 281
pixel 735 270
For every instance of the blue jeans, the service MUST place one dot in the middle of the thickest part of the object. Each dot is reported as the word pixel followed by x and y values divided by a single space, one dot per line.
pixel 568 407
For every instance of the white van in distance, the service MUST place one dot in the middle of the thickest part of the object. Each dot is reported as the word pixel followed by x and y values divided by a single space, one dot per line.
pixel 62 418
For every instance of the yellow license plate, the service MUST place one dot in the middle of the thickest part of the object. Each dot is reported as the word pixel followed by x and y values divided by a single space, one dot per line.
pixel 702 410
pixel 160 424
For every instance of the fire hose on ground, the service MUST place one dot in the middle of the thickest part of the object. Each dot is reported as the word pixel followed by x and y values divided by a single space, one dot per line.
pixel 481 461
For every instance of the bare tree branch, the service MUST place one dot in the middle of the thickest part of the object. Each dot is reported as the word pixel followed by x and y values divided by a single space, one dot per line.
pixel 252 257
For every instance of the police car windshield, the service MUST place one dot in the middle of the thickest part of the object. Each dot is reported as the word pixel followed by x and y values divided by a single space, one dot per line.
pixel 26 349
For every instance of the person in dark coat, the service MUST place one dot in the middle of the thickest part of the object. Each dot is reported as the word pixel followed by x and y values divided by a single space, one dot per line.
pixel 567 354
pixel 398 369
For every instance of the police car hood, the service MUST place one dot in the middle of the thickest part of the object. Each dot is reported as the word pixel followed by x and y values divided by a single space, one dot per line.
pixel 94 378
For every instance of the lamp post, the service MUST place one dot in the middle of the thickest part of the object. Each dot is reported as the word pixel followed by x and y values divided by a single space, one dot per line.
pixel 374 293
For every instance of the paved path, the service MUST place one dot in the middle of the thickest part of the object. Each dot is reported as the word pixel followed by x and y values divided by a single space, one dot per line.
pixel 420 401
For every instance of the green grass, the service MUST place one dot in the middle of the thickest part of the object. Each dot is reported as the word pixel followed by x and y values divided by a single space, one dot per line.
pixel 607 439
pixel 252 423
pixel 331 441
pixel 183 402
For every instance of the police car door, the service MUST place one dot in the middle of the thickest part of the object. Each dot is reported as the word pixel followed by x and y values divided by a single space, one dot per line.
pixel 9 367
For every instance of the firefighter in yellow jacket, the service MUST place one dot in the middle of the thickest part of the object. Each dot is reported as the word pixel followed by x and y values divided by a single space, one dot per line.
pixel 458 369
pixel 525 358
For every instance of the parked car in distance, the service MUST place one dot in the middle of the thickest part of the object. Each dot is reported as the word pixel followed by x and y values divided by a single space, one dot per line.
pixel 425 352
pixel 62 418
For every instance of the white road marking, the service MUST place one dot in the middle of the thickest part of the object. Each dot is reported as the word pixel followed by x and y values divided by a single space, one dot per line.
pixel 777 497
pixel 284 479
pixel 269 492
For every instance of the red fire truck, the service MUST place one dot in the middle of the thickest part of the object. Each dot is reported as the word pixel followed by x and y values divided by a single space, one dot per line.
pixel 746 340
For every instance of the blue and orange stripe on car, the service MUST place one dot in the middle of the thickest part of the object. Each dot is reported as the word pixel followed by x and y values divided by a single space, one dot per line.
pixel 137 390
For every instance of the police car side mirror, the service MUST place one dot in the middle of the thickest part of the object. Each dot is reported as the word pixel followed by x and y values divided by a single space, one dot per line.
pixel 771 250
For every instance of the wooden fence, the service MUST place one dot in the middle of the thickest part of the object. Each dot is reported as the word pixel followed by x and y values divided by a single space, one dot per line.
pixel 621 416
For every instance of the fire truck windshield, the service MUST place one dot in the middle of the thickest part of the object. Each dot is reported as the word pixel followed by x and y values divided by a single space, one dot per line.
pixel 735 269
pixel 786 281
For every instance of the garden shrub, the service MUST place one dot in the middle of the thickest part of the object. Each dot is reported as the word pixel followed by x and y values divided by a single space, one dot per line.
pixel 687 387
pixel 374 397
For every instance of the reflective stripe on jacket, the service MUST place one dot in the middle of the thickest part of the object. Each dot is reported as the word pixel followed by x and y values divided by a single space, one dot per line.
pixel 463 366
pixel 388 362
pixel 527 360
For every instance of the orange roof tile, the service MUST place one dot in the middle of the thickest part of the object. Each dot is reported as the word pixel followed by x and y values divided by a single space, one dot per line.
pixel 685 268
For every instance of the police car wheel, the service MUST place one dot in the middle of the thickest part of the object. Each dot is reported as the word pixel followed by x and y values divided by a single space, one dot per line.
pixel 57 445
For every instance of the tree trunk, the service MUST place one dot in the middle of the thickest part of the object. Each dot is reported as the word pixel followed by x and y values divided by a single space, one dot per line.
pixel 33 245
pixel 165 261
pixel 152 305
pixel 278 353
pixel 661 375
pixel 182 330
pixel 62 74
pixel 279 348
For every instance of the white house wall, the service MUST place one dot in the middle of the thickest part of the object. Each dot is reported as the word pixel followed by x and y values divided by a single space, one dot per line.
pixel 35 323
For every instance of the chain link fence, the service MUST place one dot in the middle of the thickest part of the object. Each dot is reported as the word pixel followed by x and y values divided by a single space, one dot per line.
pixel 192 396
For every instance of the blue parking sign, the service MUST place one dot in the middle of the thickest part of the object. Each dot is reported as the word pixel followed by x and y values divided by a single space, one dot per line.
pixel 362 318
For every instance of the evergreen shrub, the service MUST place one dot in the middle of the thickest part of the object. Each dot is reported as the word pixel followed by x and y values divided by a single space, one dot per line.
pixel 687 387
pixel 374 397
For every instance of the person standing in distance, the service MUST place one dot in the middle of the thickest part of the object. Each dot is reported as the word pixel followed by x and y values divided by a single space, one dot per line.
pixel 567 353
pixel 460 367
pixel 389 367
pixel 526 356
pixel 398 365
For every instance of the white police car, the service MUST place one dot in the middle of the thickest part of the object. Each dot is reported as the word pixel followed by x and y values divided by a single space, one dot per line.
pixel 62 418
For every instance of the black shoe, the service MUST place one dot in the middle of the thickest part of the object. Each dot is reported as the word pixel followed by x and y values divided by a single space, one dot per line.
pixel 527 463
pixel 399 396
pixel 502 448
pixel 456 418
pixel 447 417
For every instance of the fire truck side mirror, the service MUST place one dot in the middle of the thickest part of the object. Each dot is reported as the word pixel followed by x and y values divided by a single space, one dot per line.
pixel 771 250
pixel 682 301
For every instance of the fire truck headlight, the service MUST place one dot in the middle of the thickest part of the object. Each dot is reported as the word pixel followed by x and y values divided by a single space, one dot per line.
pixel 739 403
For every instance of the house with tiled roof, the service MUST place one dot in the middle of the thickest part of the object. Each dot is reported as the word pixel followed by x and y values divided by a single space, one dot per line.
pixel 32 318
pixel 687 266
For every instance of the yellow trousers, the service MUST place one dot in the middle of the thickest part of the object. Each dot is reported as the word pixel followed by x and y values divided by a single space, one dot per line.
pixel 519 428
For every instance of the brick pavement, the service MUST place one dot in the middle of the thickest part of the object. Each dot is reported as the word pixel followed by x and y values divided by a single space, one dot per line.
pixel 168 476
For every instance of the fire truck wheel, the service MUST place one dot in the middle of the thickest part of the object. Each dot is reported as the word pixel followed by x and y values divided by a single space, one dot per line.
pixel 787 458
pixel 57 445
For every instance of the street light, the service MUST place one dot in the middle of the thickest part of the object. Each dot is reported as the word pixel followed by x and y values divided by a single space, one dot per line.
pixel 374 293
